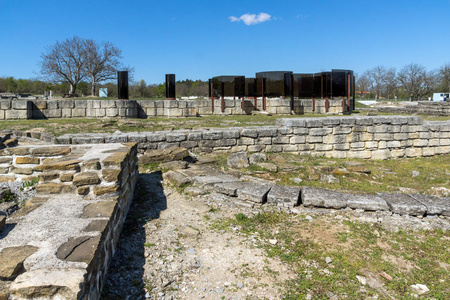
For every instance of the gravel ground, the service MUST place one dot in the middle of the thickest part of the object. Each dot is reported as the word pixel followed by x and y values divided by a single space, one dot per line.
pixel 21 193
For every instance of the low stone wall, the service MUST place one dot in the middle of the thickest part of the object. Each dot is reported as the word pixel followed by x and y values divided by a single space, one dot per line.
pixel 46 109
pixel 15 110
pixel 380 137
pixel 60 244
pixel 422 108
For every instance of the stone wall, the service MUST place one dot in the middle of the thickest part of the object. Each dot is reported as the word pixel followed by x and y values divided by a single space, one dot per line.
pixel 46 109
pixel 380 137
pixel 15 109
pixel 422 108
pixel 60 244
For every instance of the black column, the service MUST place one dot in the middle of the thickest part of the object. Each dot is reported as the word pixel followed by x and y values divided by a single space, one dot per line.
pixel 170 86
pixel 122 84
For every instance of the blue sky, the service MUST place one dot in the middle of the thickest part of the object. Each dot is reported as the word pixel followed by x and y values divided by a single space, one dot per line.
pixel 199 39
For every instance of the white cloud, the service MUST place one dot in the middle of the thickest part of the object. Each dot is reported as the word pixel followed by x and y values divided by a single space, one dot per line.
pixel 252 19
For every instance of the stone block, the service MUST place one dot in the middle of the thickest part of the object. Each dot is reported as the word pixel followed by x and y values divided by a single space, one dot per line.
pixel 12 259
pixel 16 114
pixel 20 104
pixel 53 188
pixel 211 180
pixel 381 154
pixel 434 205
pixel 253 133
pixel 212 135
pixel 253 192
pixel 176 178
pixel 175 137
pixel 403 204
pixel 163 155
pixel 413 152
pixel 238 160
pixel 323 198
pixel 288 195
pixel 85 178
pixel 27 160
pixel 5 104
pixel 366 202
pixel 51 151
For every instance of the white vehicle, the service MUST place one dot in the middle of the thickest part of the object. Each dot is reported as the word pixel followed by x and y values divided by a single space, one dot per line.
pixel 440 96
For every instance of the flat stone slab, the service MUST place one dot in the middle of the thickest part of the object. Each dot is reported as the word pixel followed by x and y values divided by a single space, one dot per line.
pixel 253 192
pixel 284 195
pixel 434 205
pixel 366 202
pixel 48 284
pixel 203 181
pixel 12 259
pixel 228 188
pixel 323 198
pixel 403 204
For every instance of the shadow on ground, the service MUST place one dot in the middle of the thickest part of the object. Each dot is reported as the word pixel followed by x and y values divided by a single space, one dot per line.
pixel 125 275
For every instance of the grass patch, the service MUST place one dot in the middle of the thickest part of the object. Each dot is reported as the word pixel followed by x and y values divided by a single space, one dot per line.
pixel 355 249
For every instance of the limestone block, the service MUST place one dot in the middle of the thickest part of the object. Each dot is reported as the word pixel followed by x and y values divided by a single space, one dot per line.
pixel 359 154
pixel 428 151
pixel 100 112
pixel 253 192
pixel 320 131
pixel 16 114
pixel 51 151
pixel 231 134
pixel 291 122
pixel 79 113
pixel 434 205
pixel 256 148
pixel 341 130
pixel 314 123
pixel 26 160
pixel 323 147
pixel 85 178
pixel 420 143
pixel 444 142
pixel 314 139
pixel 267 132
pixel 212 135
pixel 400 136
pixel 281 140
pixel 168 154
pixel 111 112
pixel 336 154
pixel 383 136
pixel 381 154
pixel 174 112
pixel 414 152
pixel 403 204
pixel 238 160
pixel 20 104
pixel 288 195
pixel 175 137
pixel 263 141
pixel 5 104
pixel 290 148
pixel 66 113
pixel 370 145
pixel 322 198
pixel 53 188
pixel 2 114
pixel 12 259
pixel 301 131
pixel 283 110
pixel 397 153
pixel 79 249
pixel 357 145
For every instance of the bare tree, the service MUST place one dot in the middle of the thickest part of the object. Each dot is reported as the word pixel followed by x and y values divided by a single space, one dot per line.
pixel 444 77
pixel 102 62
pixel 416 80
pixel 363 84
pixel 379 78
pixel 65 62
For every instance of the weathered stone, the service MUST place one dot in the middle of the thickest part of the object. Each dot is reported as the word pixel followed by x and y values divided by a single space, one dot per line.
pixel 51 151
pixel 27 160
pixel 257 158
pixel 115 160
pixel 210 180
pixel 254 192
pixel 85 178
pixel 100 209
pixel 96 225
pixel 174 165
pixel 289 195
pixel 323 198
pixel 164 155
pixel 403 204
pixel 366 202
pixel 111 175
pixel 238 160
pixel 60 165
pixel 79 249
pixel 176 178
pixel 105 189
pixel 6 159
pixel 66 177
pixel 434 205
pixel 83 190
pixel 93 164
pixel 48 284
pixel 12 259
pixel 268 166
pixel 47 176
pixel 22 170
pixel 18 151
pixel 53 188
pixel 4 289
pixel 7 208
pixel 340 172
pixel 7 178
pixel 359 169
pixel 228 188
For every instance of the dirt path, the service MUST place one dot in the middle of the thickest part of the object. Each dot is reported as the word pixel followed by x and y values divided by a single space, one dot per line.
pixel 169 250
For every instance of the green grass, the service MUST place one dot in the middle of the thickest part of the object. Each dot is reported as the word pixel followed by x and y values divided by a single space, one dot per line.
pixel 386 175
pixel 367 250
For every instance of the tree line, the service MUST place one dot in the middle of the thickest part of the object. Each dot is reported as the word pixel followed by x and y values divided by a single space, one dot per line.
pixel 411 81
pixel 137 89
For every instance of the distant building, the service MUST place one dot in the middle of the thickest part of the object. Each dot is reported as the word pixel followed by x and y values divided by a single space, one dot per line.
pixel 440 96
